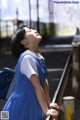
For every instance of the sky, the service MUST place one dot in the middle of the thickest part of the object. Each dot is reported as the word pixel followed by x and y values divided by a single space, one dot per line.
pixel 64 11
pixel 9 7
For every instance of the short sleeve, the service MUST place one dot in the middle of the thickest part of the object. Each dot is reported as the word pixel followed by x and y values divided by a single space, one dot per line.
pixel 28 66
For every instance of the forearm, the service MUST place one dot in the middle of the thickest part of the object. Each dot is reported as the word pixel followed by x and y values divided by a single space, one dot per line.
pixel 46 91
pixel 41 98
pixel 39 93
pixel 48 100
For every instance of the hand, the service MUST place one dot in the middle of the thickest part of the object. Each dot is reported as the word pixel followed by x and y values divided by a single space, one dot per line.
pixel 54 106
pixel 53 113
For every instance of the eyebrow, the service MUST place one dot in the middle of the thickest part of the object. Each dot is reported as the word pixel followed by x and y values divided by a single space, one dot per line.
pixel 30 27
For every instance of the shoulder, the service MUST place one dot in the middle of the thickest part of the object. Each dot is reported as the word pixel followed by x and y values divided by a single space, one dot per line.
pixel 28 66
pixel 28 58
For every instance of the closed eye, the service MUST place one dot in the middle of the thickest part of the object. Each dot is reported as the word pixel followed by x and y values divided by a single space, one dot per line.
pixel 29 30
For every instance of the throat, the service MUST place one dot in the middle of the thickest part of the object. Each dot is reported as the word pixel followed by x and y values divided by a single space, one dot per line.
pixel 36 50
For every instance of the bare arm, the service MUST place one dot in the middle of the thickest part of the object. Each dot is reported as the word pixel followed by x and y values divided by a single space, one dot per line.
pixel 47 95
pixel 46 92
pixel 41 97
pixel 39 92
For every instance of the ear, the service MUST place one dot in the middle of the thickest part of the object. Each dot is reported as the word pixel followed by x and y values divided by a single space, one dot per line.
pixel 24 42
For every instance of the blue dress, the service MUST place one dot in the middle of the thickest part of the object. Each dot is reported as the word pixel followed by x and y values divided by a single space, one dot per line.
pixel 23 103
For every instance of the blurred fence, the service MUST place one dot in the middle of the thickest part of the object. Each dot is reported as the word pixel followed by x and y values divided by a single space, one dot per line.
pixel 8 27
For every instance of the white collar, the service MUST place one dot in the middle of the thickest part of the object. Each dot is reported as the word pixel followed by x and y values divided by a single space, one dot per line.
pixel 37 55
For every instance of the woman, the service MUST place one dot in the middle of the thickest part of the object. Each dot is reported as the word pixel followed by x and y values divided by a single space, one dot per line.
pixel 30 99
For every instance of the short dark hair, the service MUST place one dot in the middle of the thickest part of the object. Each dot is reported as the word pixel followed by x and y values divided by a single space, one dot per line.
pixel 16 47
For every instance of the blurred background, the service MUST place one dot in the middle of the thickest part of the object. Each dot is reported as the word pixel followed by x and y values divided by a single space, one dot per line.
pixel 59 24
pixel 49 17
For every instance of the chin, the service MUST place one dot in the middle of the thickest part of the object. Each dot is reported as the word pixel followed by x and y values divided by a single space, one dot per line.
pixel 40 38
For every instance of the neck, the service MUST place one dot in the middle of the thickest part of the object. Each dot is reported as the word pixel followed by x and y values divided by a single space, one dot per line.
pixel 36 50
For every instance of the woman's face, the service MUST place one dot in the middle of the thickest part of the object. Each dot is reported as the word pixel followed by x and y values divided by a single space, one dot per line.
pixel 32 35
